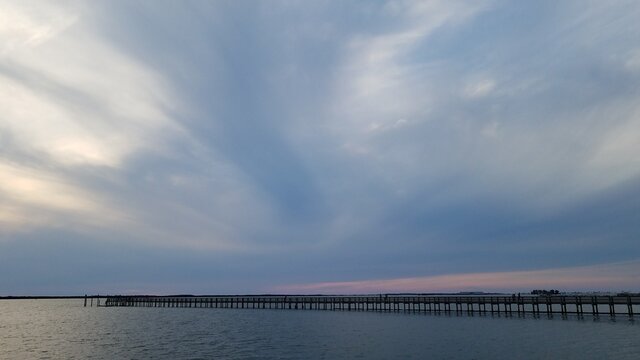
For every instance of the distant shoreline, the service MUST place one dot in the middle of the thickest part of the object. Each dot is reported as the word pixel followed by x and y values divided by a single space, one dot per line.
pixel 44 297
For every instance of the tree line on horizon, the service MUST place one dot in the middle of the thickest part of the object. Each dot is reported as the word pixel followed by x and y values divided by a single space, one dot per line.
pixel 545 292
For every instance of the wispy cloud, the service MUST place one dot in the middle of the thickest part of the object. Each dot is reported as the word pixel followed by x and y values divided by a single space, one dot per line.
pixel 72 104
pixel 69 95
pixel 611 277
pixel 32 197
pixel 353 140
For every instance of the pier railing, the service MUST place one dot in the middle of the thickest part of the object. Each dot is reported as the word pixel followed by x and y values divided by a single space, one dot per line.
pixel 555 304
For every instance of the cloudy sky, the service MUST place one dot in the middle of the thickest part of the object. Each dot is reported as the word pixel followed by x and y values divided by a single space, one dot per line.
pixel 319 146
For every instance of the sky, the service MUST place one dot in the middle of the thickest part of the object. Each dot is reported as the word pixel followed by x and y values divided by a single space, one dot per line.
pixel 221 147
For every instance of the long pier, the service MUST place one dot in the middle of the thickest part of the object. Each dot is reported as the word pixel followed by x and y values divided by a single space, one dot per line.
pixel 494 304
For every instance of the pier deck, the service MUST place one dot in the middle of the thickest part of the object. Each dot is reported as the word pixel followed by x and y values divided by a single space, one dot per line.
pixel 555 304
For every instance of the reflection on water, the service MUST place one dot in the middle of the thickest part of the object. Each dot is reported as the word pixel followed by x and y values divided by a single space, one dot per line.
pixel 63 329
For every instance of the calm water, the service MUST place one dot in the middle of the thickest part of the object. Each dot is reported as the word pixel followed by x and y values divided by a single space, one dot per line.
pixel 63 329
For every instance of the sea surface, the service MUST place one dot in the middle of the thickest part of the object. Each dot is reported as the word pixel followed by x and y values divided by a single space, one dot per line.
pixel 64 329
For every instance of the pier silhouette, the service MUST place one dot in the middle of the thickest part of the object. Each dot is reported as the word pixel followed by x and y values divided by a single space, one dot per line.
pixel 495 304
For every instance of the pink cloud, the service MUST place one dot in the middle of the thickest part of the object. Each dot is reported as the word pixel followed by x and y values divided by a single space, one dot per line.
pixel 605 277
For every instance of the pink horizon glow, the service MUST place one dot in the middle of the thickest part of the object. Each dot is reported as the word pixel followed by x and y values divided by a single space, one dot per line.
pixel 604 277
